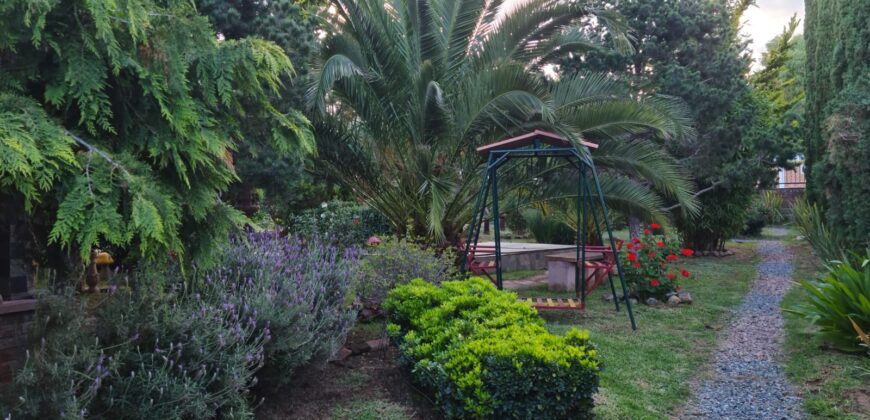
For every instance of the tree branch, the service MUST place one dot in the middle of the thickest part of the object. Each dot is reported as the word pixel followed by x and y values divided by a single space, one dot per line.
pixel 714 185
pixel 91 148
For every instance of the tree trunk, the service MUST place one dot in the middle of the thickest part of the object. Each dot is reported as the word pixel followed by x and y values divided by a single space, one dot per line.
pixel 633 227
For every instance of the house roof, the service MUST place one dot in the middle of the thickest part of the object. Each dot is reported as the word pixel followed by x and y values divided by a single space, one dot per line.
pixel 544 137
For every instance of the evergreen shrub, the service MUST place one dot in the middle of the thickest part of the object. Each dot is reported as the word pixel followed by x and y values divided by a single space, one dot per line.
pixel 396 261
pixel 548 229
pixel 343 223
pixel 483 354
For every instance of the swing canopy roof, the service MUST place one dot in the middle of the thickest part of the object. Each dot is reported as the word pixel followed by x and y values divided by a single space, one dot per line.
pixel 543 137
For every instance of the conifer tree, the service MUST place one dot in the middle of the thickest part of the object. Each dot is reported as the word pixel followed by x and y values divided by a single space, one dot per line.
pixel 691 49
pixel 284 182
pixel 121 118
pixel 837 136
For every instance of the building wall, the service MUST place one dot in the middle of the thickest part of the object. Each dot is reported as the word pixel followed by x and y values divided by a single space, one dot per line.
pixel 16 318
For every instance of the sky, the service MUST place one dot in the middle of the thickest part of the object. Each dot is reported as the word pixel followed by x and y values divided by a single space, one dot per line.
pixel 766 20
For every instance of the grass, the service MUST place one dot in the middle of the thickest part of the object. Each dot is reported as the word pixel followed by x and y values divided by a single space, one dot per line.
pixel 831 382
pixel 648 372
pixel 370 410
pixel 521 274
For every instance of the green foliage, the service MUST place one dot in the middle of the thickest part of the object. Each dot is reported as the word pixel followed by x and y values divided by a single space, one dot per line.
pixel 144 352
pixel 157 341
pixel 483 354
pixel 548 229
pixel 754 223
pixel 122 117
pixel 691 50
pixel 766 209
pixel 404 94
pixel 836 300
pixel 283 181
pixel 649 264
pixel 811 224
pixel 771 203
pixel 34 153
pixel 397 261
pixel 300 292
pixel 341 222
pixel 778 83
pixel 838 115
pixel 722 218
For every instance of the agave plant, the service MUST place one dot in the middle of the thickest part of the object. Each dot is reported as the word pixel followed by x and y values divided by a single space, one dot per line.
pixel 403 91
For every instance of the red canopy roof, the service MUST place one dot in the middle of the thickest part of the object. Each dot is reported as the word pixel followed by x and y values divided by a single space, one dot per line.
pixel 544 137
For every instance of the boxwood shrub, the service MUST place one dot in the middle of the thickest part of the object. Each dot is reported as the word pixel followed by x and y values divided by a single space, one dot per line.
pixel 483 354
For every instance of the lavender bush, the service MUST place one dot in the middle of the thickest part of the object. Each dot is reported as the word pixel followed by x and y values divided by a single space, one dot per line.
pixel 301 291
pixel 160 347
pixel 144 355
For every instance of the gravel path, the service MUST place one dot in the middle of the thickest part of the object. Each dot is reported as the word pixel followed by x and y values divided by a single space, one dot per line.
pixel 748 381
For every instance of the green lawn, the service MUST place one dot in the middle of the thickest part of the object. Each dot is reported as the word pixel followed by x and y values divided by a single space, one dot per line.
pixel 831 382
pixel 648 372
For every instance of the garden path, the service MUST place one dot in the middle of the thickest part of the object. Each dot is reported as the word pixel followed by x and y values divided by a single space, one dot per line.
pixel 748 381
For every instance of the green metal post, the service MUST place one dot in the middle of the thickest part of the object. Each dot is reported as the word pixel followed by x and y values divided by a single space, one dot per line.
pixel 613 245
pixel 601 239
pixel 495 218
pixel 577 245
pixel 474 229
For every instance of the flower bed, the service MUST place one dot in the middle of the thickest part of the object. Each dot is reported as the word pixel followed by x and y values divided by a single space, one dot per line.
pixel 481 353
pixel 650 264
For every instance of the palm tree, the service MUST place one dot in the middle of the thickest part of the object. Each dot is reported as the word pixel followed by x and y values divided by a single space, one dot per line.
pixel 404 90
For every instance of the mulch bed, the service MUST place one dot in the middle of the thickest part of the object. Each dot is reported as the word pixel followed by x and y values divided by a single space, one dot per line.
pixel 318 391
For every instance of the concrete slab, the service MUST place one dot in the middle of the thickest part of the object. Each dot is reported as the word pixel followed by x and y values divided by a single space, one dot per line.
pixel 523 255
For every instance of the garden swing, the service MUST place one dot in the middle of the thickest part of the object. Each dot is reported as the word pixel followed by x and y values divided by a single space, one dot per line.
pixel 542 144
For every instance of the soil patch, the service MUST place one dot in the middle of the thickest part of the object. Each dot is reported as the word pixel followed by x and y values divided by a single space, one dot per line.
pixel 367 386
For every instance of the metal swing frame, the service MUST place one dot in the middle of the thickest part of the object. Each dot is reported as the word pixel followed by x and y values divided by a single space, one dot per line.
pixel 532 145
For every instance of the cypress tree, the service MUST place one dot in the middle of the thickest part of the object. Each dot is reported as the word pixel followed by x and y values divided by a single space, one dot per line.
pixel 838 114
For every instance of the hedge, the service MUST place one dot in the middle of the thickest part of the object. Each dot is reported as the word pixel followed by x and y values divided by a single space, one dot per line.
pixel 483 354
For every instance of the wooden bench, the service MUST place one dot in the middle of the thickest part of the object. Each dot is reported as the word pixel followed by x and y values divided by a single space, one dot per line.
pixel 600 261
pixel 477 266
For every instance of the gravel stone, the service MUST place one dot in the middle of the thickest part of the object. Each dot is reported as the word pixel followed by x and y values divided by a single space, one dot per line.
pixel 748 381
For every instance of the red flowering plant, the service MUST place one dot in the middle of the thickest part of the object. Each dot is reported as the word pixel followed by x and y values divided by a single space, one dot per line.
pixel 650 263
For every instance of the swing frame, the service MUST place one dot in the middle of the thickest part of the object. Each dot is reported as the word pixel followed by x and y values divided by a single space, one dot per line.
pixel 542 144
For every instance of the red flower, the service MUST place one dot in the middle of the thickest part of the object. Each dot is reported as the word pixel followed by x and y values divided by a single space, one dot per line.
pixel 653 282
pixel 687 252
pixel 636 265
pixel 652 254
pixel 629 245
pixel 671 276
pixel 671 257
pixel 655 226
pixel 642 246
pixel 684 272
pixel 660 244
pixel 646 231
pixel 635 240
pixel 632 256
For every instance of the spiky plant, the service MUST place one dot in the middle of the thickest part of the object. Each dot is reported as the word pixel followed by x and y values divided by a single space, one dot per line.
pixel 405 90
